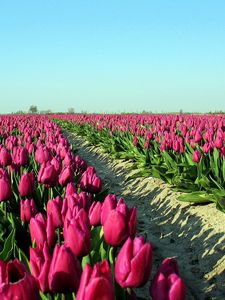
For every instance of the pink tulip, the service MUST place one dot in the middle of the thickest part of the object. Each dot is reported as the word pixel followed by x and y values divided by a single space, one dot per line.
pixel 96 283
pixel 40 260
pixel 48 175
pixel 70 189
pixel 66 176
pixel 133 263
pixel 196 156
pixel 167 284
pixel 120 224
pixel 26 184
pixel 108 204
pixel 27 210
pixel 94 213
pixel 65 271
pixel 77 230
pixel 90 182
pixel 16 282
pixel 5 186
pixel 5 157
pixel 54 207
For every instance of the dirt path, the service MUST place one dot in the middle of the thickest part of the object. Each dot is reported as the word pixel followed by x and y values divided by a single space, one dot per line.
pixel 194 235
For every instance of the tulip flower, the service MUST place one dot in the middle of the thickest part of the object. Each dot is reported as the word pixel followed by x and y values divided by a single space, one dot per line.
pixel 48 175
pixel 65 271
pixel 5 157
pixel 66 176
pixel 83 200
pixel 218 143
pixel 26 184
pixel 120 224
pixel 94 213
pixel 5 186
pixel 133 263
pixel 196 156
pixel 38 230
pixel 96 283
pixel 108 204
pixel 80 164
pixel 40 260
pixel 77 235
pixel 167 284
pixel 70 189
pixel 16 282
pixel 27 210
pixel 42 230
pixel 90 182
pixel 20 156
pixel 56 162
pixel 54 207
pixel 42 155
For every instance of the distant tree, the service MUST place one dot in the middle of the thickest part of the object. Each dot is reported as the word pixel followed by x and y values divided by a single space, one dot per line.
pixel 71 110
pixel 33 109
pixel 19 112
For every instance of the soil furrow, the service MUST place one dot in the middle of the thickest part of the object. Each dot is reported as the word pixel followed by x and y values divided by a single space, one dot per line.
pixel 194 235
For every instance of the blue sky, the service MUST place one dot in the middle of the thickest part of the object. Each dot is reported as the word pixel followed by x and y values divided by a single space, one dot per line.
pixel 112 56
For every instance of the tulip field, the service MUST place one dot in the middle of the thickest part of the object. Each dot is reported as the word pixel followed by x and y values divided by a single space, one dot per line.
pixel 186 151
pixel 63 235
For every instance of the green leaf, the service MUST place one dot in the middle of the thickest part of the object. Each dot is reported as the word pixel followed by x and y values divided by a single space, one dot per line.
pixel 43 296
pixel 216 162
pixel 223 170
pixel 8 246
pixel 85 260
pixel 196 197
pixel 23 258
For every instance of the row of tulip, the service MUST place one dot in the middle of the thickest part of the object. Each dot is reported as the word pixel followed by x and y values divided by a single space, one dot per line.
pixel 61 235
pixel 187 151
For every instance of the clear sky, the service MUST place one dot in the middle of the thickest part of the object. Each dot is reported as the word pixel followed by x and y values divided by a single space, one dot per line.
pixel 112 56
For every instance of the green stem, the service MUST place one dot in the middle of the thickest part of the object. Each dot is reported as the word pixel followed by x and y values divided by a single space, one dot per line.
pixel 5 209
pixel 63 297
pixel 58 235
pixel 50 296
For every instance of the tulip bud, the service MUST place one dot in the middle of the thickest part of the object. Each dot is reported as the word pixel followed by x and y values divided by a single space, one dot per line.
pixel 120 224
pixel 96 283
pixel 5 157
pixel 70 189
pixel 26 184
pixel 94 213
pixel 27 210
pixel 5 186
pixel 108 204
pixel 54 207
pixel 65 271
pixel 77 230
pixel 66 176
pixel 167 283
pixel 40 261
pixel 133 263
pixel 196 156
pixel 80 164
pixel 42 155
pixel 20 156
pixel 90 182
pixel 56 162
pixel 48 175
pixel 38 230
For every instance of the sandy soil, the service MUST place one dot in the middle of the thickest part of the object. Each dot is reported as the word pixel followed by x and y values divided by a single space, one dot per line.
pixel 194 235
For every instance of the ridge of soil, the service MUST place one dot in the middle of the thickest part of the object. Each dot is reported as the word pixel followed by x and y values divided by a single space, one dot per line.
pixel 193 234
